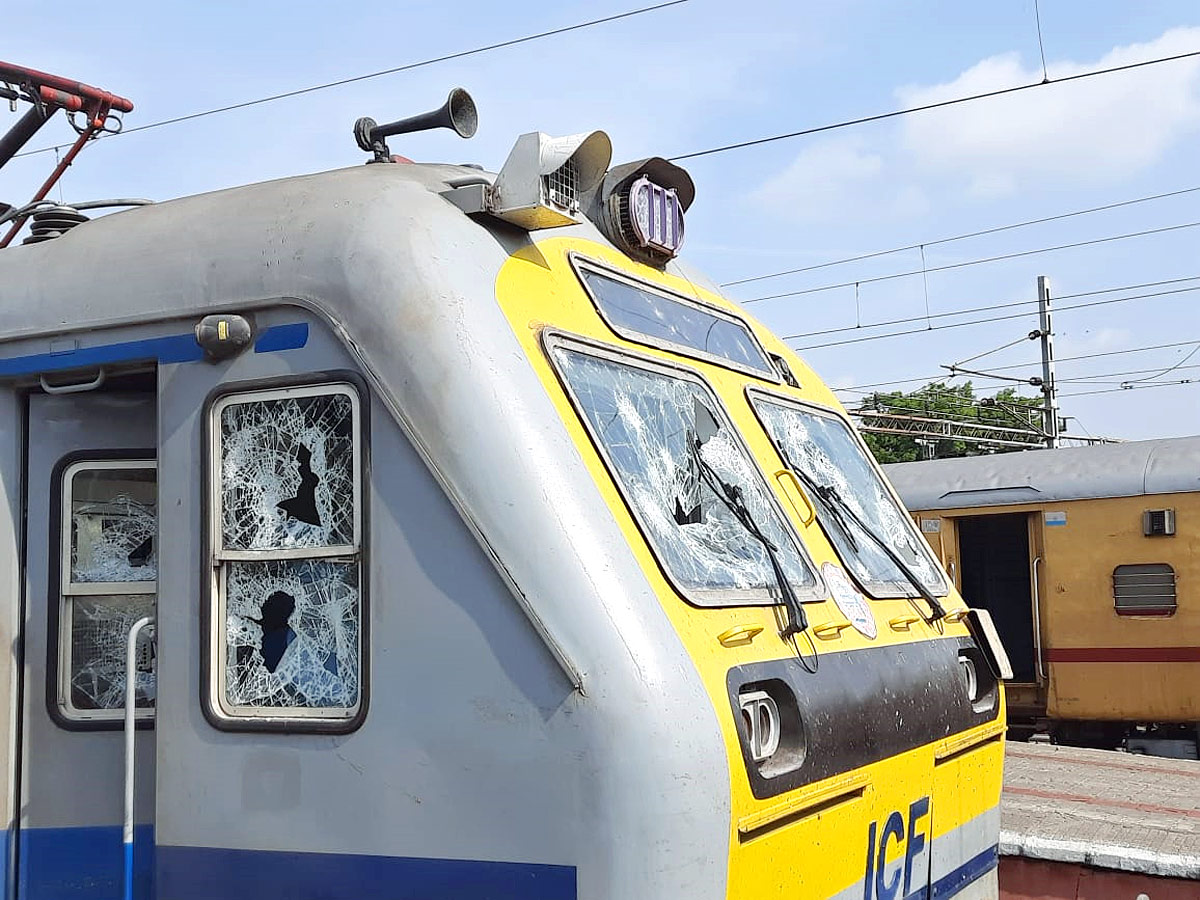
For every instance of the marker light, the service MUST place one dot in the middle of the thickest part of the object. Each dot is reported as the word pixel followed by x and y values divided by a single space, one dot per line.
pixel 655 217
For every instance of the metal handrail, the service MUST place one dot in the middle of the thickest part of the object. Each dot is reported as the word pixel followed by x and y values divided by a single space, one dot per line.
pixel 130 744
pixel 1037 622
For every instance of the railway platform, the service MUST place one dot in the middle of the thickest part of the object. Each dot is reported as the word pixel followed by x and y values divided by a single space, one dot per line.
pixel 1082 824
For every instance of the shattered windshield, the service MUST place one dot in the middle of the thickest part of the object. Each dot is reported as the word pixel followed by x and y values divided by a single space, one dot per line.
pixel 649 426
pixel 822 449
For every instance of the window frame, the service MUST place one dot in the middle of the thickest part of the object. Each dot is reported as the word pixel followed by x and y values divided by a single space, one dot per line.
pixel 756 395
pixel 581 264
pixel 710 599
pixel 62 592
pixel 241 718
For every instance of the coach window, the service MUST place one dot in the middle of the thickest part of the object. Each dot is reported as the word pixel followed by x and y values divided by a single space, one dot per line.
pixel 108 579
pixel 286 496
pixel 1146 589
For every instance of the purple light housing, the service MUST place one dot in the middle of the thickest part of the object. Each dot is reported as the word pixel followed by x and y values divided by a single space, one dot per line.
pixel 656 216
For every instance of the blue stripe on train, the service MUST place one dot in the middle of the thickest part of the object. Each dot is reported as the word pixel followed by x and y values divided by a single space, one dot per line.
pixel 205 873
pixel 175 348
pixel 83 863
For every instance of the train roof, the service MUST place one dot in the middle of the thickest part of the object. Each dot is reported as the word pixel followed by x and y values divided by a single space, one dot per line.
pixel 1136 468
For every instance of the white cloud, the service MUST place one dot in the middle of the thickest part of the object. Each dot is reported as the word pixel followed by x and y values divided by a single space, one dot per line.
pixel 1094 129
pixel 831 180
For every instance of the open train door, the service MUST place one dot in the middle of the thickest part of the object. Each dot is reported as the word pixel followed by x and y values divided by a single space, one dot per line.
pixel 91 573
pixel 995 574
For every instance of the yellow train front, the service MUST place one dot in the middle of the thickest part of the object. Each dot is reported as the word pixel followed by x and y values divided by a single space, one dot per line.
pixel 636 614
pixel 861 722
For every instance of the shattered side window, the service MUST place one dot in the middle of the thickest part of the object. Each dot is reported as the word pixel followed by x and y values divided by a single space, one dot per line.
pixel 821 446
pixel 287 490
pixel 670 448
pixel 109 581
pixel 287 477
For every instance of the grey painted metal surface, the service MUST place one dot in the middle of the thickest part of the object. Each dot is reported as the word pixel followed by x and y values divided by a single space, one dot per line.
pixel 1137 468
pixel 1102 808
pixel 72 779
pixel 398 284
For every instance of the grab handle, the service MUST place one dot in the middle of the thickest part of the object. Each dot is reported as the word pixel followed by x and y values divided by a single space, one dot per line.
pixel 130 734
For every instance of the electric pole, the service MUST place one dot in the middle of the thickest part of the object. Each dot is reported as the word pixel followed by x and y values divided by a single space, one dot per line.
pixel 1049 388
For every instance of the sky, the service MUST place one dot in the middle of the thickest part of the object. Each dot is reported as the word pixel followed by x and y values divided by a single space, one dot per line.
pixel 704 74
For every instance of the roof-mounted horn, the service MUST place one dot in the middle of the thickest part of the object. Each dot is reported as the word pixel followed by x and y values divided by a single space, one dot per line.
pixel 458 114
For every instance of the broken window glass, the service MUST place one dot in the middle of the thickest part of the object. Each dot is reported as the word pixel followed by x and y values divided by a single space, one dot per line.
pixel 822 447
pixel 650 425
pixel 109 578
pixel 290 606
pixel 287 473
pixel 99 637
pixel 113 525
pixel 292 634
pixel 639 313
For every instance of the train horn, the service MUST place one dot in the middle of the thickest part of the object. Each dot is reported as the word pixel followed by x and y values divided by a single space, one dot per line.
pixel 457 113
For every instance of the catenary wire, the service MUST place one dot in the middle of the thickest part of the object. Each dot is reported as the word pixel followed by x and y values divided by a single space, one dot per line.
pixel 499 45
pixel 1008 304
pixel 938 105
pixel 1136 387
pixel 1097 378
pixel 939 376
pixel 1009 316
pixel 975 262
pixel 962 237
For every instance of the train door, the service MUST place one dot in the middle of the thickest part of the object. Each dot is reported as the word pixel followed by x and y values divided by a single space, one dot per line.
pixel 91 564
pixel 993 554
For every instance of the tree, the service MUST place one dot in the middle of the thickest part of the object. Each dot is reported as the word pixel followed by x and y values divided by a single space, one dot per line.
pixel 947 403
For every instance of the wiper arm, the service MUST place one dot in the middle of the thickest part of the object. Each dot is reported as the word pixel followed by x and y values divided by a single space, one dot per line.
pixel 840 511
pixel 731 496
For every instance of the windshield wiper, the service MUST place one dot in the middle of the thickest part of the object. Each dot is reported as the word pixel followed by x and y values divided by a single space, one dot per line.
pixel 731 496
pixel 841 511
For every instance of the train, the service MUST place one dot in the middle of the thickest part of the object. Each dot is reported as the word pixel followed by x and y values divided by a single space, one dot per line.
pixel 1088 559
pixel 413 530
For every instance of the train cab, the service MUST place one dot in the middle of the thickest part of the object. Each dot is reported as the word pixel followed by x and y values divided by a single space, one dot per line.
pixel 410 530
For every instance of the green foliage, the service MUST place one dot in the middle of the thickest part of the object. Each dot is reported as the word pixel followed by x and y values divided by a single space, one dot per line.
pixel 938 400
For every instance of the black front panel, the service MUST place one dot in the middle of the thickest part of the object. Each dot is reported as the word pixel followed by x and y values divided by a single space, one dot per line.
pixel 862 706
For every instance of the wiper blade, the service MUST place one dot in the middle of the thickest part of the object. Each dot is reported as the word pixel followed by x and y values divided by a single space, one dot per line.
pixel 731 496
pixel 840 510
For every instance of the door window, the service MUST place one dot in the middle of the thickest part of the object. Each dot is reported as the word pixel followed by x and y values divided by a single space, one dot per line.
pixel 109 580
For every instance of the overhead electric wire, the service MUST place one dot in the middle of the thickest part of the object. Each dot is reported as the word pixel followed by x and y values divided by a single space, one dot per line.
pixel 1009 304
pixel 499 45
pixel 1006 317
pixel 973 262
pixel 1095 379
pixel 939 376
pixel 962 237
pixel 1136 387
pixel 878 117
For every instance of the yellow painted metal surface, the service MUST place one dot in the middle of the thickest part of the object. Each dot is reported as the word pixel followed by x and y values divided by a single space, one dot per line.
pixel 1123 681
pixel 810 842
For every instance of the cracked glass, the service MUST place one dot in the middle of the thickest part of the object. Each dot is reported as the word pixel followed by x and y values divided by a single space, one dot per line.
pixel 113 524
pixel 650 425
pixel 287 475
pixel 99 636
pixel 291 634
pixel 109 578
pixel 290 604
pixel 822 447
